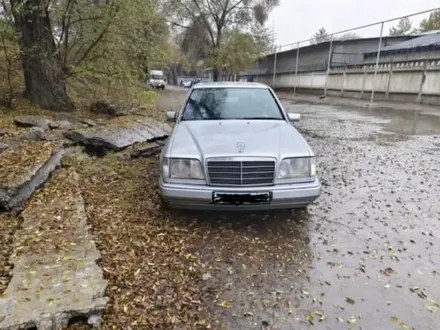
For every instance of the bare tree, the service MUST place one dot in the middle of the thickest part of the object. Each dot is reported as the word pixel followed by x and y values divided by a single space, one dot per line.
pixel 214 19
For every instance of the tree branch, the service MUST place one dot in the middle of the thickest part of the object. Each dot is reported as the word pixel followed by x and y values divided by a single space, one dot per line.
pixel 178 24
pixel 98 39
pixel 234 6
pixel 204 21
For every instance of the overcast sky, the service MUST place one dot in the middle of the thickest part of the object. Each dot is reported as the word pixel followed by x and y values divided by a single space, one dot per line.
pixel 296 20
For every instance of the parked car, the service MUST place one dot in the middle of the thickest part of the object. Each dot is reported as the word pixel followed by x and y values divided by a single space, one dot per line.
pixel 199 80
pixel 186 82
pixel 233 147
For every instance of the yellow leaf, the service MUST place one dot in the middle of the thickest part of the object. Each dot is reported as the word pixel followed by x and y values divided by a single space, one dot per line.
pixel 404 325
pixel 431 308
pixel 352 320
pixel 225 304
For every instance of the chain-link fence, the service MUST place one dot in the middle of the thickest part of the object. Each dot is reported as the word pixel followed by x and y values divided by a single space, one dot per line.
pixel 364 62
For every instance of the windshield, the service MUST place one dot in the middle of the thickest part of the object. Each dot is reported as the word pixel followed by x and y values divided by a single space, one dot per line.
pixel 156 76
pixel 231 103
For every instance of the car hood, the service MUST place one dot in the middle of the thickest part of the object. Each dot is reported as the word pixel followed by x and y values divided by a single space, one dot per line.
pixel 268 138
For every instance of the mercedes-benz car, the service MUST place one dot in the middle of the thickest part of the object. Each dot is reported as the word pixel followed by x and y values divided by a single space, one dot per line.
pixel 233 146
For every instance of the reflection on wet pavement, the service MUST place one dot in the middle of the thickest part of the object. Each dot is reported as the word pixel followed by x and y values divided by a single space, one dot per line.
pixel 383 273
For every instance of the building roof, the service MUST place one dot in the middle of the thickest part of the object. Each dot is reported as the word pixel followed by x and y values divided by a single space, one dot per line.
pixel 326 44
pixel 427 41
pixel 229 84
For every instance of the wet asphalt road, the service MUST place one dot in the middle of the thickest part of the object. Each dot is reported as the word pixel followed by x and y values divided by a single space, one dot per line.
pixel 366 255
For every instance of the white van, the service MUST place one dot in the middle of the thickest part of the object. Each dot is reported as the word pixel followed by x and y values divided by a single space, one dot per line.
pixel 157 79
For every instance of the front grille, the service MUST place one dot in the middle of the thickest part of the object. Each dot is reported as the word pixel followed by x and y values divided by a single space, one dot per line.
pixel 240 173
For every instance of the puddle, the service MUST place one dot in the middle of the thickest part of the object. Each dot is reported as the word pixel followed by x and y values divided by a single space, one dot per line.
pixel 402 122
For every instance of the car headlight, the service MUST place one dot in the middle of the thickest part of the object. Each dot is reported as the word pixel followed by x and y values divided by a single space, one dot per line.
pixel 295 168
pixel 182 168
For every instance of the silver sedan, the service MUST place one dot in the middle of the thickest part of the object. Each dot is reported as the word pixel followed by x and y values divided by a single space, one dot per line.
pixel 233 147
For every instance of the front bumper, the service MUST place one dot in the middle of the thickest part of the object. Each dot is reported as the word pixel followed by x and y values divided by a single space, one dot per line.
pixel 290 196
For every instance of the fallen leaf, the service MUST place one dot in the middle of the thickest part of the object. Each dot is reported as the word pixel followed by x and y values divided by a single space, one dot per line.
pixel 350 300
pixel 414 289
pixel 422 295
pixel 352 320
pixel 318 313
pixel 404 325
pixel 225 304
pixel 206 276
pixel 431 308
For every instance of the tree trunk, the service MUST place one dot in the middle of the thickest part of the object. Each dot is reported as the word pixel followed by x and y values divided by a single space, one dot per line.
pixel 45 79
pixel 215 73
pixel 174 73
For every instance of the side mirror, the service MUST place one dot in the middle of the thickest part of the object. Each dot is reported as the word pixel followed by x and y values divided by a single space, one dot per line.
pixel 294 116
pixel 171 116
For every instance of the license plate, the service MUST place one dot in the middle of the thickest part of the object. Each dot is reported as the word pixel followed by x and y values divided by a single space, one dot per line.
pixel 241 198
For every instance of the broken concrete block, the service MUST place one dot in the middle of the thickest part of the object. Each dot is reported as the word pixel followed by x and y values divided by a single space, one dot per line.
pixel 62 124
pixel 119 137
pixel 35 134
pixel 18 181
pixel 55 275
pixel 32 121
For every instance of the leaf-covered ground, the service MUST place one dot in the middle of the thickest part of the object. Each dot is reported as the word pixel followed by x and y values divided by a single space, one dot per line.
pixel 8 226
pixel 19 162
pixel 167 270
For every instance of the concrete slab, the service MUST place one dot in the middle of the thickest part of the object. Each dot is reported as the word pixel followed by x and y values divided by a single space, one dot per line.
pixel 55 275
pixel 25 167
pixel 32 121
pixel 118 137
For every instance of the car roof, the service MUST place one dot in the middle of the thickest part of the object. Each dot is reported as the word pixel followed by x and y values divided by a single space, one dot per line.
pixel 229 84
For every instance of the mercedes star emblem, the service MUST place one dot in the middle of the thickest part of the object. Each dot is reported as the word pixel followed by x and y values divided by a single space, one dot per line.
pixel 240 146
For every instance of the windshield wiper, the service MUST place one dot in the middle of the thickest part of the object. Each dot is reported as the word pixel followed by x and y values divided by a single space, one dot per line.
pixel 262 118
